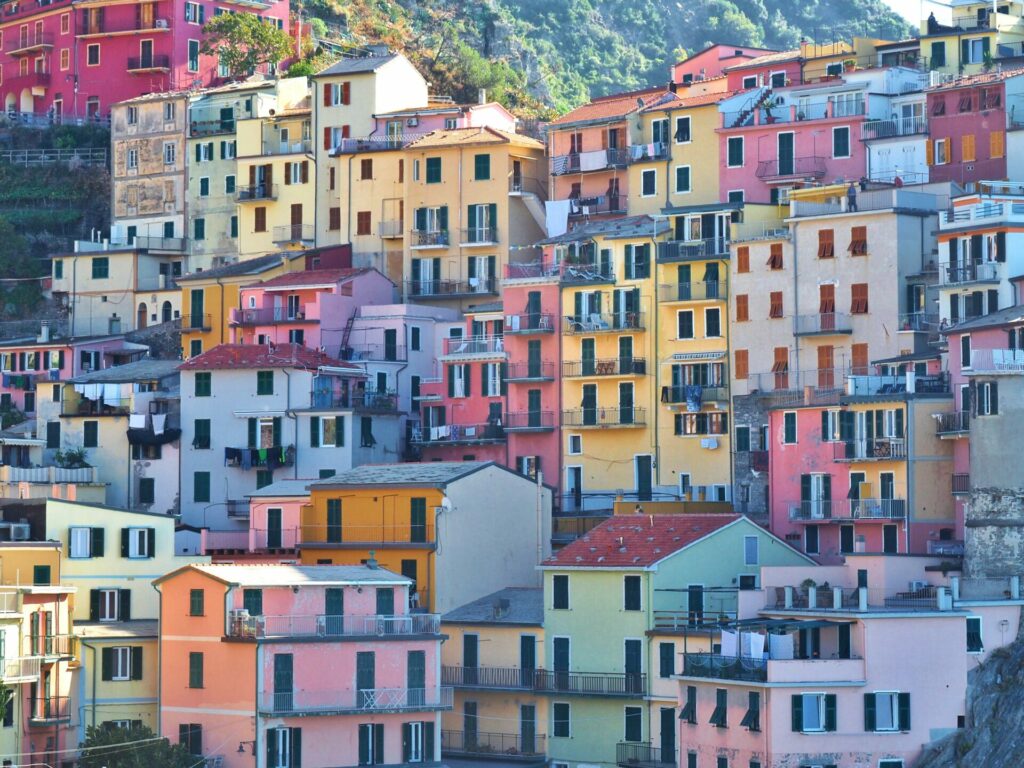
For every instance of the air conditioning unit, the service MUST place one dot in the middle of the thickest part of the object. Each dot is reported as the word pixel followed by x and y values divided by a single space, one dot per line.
pixel 917 586
pixel 161 24
pixel 709 442
pixel 20 531
pixel 412 122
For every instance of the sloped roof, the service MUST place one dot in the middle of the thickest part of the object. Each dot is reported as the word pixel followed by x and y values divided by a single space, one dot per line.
pixel 146 369
pixel 991 320
pixel 262 356
pixel 274 575
pixel 985 78
pixel 241 268
pixel 689 102
pixel 769 58
pixel 610 107
pixel 512 605
pixel 283 488
pixel 429 473
pixel 456 137
pixel 310 277
pixel 356 64
pixel 622 228
pixel 637 541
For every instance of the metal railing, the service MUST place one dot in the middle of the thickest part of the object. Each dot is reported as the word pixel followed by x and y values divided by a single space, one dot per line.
pixel 582 207
pixel 815 386
pixel 293 233
pixel 681 250
pixel 291 148
pixel 161 244
pixel 27 41
pixel 993 361
pixel 874 449
pixel 256 192
pixel 541 370
pixel 527 185
pixel 526 421
pixel 156 61
pixel 638 753
pixel 22 669
pixel 363 700
pixel 594 160
pixel 50 645
pixel 376 143
pixel 504 745
pixel 926 322
pixel 603 321
pixel 458 433
pixel 381 352
pixel 443 288
pixel 604 417
pixel 473 345
pixel 82 406
pixel 565 528
pixel 419 238
pixel 585 272
pixel 699 290
pixel 529 322
pixel 253 627
pixel 479 235
pixel 368 534
pixel 616 366
pixel 822 323
pixel 709 392
pixel 957 274
pixel 267 315
pixel 797 166
pixel 712 665
pixel 958 422
pixel 893 127
pixel 392 228
pixel 48 709
pixel 83 155
pixel 848 509
pixel 29 80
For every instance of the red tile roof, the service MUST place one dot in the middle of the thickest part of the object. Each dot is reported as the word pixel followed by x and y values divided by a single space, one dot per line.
pixel 609 108
pixel 310 277
pixel 980 79
pixel 262 356
pixel 636 541
pixel 687 102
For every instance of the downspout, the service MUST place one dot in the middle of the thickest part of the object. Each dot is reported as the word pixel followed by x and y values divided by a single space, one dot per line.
pixel 796 300
pixel 909 426
pixel 93 699
pixel 349 201
pixel 221 324
pixel 74 293
pixel 655 360
pixel 159 654
pixel 289 413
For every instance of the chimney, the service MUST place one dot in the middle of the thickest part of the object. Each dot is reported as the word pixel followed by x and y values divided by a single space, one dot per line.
pixel 371 561
pixel 482 95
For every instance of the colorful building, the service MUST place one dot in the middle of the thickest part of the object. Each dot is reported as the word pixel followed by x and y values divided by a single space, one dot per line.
pixel 712 62
pixel 432 522
pixel 262 685
pixel 274 516
pixel 978 37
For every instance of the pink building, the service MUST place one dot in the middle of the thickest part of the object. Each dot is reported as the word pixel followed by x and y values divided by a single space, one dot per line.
pixel 312 308
pixel 77 58
pixel 812 674
pixel 713 61
pixel 772 69
pixel 275 516
pixel 264 687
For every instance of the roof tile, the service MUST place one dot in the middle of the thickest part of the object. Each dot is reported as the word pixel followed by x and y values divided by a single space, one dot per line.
pixel 262 356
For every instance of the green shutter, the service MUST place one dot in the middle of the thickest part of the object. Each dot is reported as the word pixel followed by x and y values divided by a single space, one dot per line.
pixel 252 432
pixel 314 431
pixel 904 711
pixel 830 711
pixel 277 430
pixel 870 718
pixel 797 712
pixel 471 216
pixel 339 431
pixel 451 380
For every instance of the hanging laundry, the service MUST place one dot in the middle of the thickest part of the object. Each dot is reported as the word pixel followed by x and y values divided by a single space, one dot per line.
pixel 246 458
pixel 159 422
pixel 232 457
pixel 137 421
pixel 693 397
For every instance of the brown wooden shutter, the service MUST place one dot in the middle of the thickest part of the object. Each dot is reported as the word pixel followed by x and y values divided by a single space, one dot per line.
pixel 742 363
pixel 327 138
pixel 742 308
pixel 305 171
pixel 743 259
pixel 327 94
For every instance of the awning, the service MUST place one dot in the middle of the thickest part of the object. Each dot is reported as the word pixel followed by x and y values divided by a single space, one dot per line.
pixel 706 208
pixel 697 356
pixel 29 441
pixel 148 437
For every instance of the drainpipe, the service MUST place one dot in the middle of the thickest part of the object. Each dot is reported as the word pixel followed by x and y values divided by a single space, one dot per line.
pixel 288 412
pixel 796 298
pixel 74 292
pixel 93 699
pixel 909 427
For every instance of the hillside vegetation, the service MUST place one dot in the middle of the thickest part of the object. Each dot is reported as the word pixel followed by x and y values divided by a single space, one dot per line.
pixel 540 57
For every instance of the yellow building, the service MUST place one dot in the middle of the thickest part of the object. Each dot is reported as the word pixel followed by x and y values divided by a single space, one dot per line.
pixel 979 35
pixel 276 181
pixel 469 206
pixel 494 651
pixel 121 670
pixel 609 326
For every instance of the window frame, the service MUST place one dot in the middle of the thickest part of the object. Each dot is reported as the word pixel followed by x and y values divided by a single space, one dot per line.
pixel 138 543
pixel 785 428
pixel 121 657
pixel 837 130
pixel 981 637
pixel 626 581
pixel 728 152
pixel 554 593
pixel 645 174
pixel 689 179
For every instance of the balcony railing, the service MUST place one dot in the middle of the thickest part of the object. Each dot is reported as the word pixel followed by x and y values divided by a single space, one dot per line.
pixel 178 244
pixel 479 236
pixel 566 528
pixel 716 666
pixel 529 323
pixel 514 678
pixel 584 207
pixel 956 423
pixel 367 700
pixel 289 148
pixel 529 421
pixel 391 229
pixel 541 370
pixel 468 346
pixel 849 509
pixel 82 406
pixel 459 434
pixel 961 484
pixel 9 602
pixel 491 677
pixel 595 160
pixel 684 250
pixel 822 323
pixel 48 475
pixel 707 393
pixel 30 80
pixel 392 353
pixel 376 143
pixel 451 288
pixel 636 754
pixel 959 274
pixel 616 366
pixel 48 709
pixel 368 534
pixel 293 233
pixel 247 458
pixel 429 239
pixel 259 627
pixel 256 192
pixel 28 42
pixel 997 361
pixel 893 127
pixel 845 598
pixel 875 449
pixel 925 322
pixel 809 166
pixel 146 63
pixel 267 315
pixel 585 272
pixel 596 322
pixel 21 670
pixel 699 290
pixel 605 417
pixel 195 323
pixel 507 746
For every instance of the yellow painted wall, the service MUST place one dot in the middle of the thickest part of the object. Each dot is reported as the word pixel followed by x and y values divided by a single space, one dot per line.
pixel 381 194
pixel 104 700
pixel 17 562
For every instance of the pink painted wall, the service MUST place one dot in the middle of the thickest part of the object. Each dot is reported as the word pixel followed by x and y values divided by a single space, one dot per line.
pixel 594 183
pixel 712 61
pixel 492 115
pixel 291 519
pixel 335 740
pixel 309 600
pixel 736 76
pixel 954 125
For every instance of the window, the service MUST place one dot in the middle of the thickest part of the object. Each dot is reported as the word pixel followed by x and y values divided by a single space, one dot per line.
pixel 90 434
pixel 170 152
pixel 814 712
pixel 575 445
pixel 974 639
pixel 967 153
pixel 204 186
pixel 742 439
pixel 364 225
pixel 193 55
pixel 53 434
pixel 334 218
pixel 100 268
pixel 684 324
pixel 560 592
pixel 775 256
pixel 631 593
pixel 196 602
pixel 858 241
pixel 682 179
pixel 92 55
pixel 997 144
pixel 634 722
pixel 201 434
pixel 859 299
pixel 65 58
pixel 743 259
pixel 109 604
pixel 371 745
pixel 195 670
pixel 973 52
pixel 199 229
pixel 750 81
pixel 789 428
pixel 682 135
pixel 988 398
pixel 666 660
pixel 137 543
pixel 775 304
pixel 58 269
pixel 327 431
pixel 742 308
pixel 938 57
pixel 337 94
pixel 841 142
pixel 132 115
pixel 750 550
pixel 752 719
pixel 941 151
pixel 117 663
pixel 648 182
pixel 965 351
pixel 830 420
pixel 734 153
pixel 826 243
pixel 688 713
pixel 720 714
pixel 482 167
pixel 264 382
pixel 712 322
pixel 85 542
pixel 190 735
pixel 131 159
pixel 433 170
pixel 41 575
pixel 886 711
pixel 201 487
pixel 168 112
pixel 147 490
pixel 560 720
pixel 366 168
pixel 203 383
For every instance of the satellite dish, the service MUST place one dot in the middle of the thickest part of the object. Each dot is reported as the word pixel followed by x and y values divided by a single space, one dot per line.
pixel 446 504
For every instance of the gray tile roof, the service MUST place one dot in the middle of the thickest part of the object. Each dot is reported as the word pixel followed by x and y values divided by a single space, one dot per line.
pixel 240 268
pixel 512 605
pixel 624 228
pixel 431 473
pixel 290 575
pixel 147 369
pixel 357 64
pixel 991 320
pixel 117 629
pixel 286 487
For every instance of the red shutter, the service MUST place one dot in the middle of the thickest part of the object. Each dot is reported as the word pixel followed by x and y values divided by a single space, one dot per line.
pixel 305 171
pixel 344 132
pixel 346 93
pixel 327 138
pixel 287 173
pixel 327 94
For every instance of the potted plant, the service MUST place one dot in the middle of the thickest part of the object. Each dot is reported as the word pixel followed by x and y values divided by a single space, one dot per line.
pixel 850 65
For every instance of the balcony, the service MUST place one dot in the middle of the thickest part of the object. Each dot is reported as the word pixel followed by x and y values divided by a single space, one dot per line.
pixel 848 509
pixel 30 80
pixel 391 353
pixel 208 123
pixel 545 680
pixel 9 602
pixel 919 322
pixel 420 240
pixel 27 43
pixel 961 485
pixel 251 193
pixel 155 63
pixel 473 347
pixel 365 701
pixel 530 421
pixel 926 597
pixel 269 316
pixel 251 540
pixel 362 535
pixel 51 646
pixel 48 710
pixel 695 291
pixel 393 229
pixel 584 273
pixel 299 234
pixel 475 236
pixel 530 371
pixel 822 324
pixel 637 754
pixel 22 670
pixel 597 322
pixel 498 678
pixel 302 146
pixel 260 458
pixel 705 394
pixel 956 424
pixel 874 449
pixel 264 627
pixel 48 475
pixel 585 207
pixel 690 250
pixel 965 274
pixel 447 289
pixel 506 746
pixel 618 366
pixel 533 270
pixel 783 671
pixel 988 212
pixel 893 128
pixel 195 323
pixel 871 200
pixel 459 434
pixel 376 143
pixel 175 244
pixel 585 162
pixel 83 406
pixel 529 323
pixel 798 167
pixel 605 417
pixel 996 362
pixel 569 527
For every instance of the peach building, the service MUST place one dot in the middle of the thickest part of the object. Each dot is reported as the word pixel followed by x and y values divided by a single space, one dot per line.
pixel 297 665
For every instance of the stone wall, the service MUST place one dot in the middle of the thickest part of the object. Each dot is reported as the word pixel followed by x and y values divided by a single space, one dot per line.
pixel 994 532
pixel 749 482
pixel 164 340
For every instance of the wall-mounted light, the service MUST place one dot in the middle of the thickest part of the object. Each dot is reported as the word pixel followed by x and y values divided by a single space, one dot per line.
pixel 241 747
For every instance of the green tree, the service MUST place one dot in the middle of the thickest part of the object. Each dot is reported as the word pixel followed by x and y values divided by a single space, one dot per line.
pixel 20 290
pixel 243 42
pixel 105 747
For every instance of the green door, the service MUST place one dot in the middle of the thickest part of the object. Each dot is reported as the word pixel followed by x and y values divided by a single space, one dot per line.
pixel 196 308
pixel 634 666
pixel 273 528
pixel 528 729
pixel 533 310
pixel 589 404
pixel 334 611
pixel 283 685
pixel 668 735
pixel 385 601
pixel 587 353
pixel 390 344
pixel 533 405
pixel 533 366
pixel 625 355
pixel 527 659
pixel 684 289
pixel 334 521
pixel 365 678
pixel 416 669
pixel 418 521
pixel 470 658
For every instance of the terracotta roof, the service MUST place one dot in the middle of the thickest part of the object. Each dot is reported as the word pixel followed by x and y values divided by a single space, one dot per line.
pixel 310 277
pixel 982 79
pixel 688 102
pixel 637 541
pixel 609 108
pixel 457 137
pixel 262 356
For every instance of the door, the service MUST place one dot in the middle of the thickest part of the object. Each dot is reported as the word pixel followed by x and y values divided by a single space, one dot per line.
pixel 589 404
pixel 273 528
pixel 296 218
pixel 385 601
pixel 634 666
pixel 365 678
pixel 684 289
pixel 533 366
pixel 533 408
pixel 527 659
pixel 470 658
pixel 532 309
pixel 785 154
pixel 642 466
pixel 695 604
pixel 284 140
pixel 334 611
pixel 293 306
pixel 416 677
pixel 517 176
pixel 890 540
pixel 862 578
pixel 196 308
pixel 334 533
pixel 390 343
pixel 711 281
pixel 668 735
pixel 845 538
pixel 856 478
pixel 626 403
pixel 574 489
pixel 283 682
pixel 625 355
pixel 469 724
pixel 528 729
pixel 145 54
pixel 587 357
pixel 560 665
